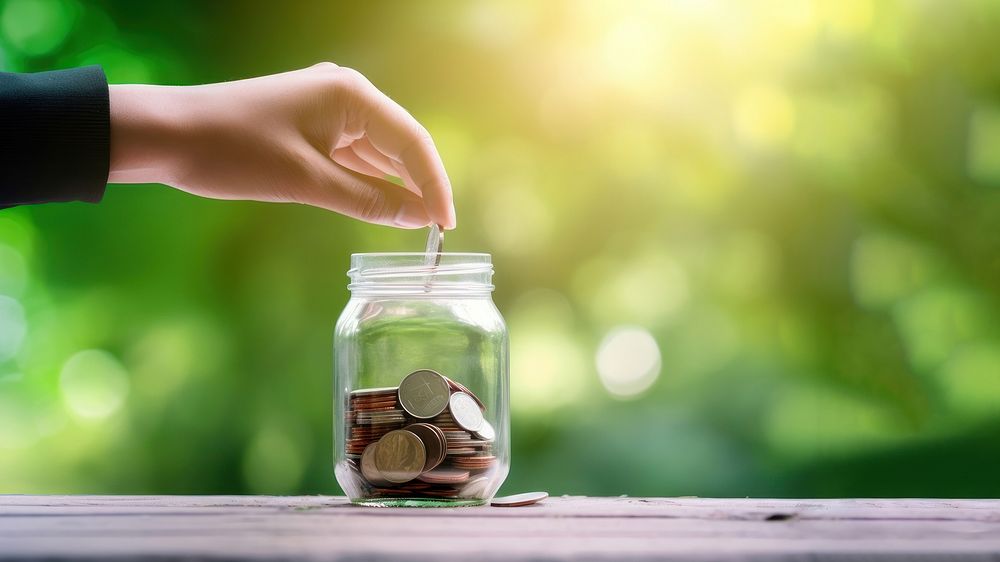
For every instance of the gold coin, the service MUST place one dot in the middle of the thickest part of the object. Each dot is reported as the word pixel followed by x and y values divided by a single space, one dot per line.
pixel 368 468
pixel 435 444
pixel 424 393
pixel 400 456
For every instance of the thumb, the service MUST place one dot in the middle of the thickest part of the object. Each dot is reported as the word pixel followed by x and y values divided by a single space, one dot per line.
pixel 363 197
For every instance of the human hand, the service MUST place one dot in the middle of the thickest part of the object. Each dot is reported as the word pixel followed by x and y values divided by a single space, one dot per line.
pixel 323 136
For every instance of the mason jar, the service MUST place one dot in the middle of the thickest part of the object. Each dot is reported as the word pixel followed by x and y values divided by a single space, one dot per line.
pixel 421 415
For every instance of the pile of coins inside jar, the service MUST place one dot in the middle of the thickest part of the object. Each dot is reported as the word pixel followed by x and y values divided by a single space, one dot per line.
pixel 425 438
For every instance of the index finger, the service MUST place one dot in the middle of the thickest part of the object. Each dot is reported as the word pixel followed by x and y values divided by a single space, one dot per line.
pixel 395 133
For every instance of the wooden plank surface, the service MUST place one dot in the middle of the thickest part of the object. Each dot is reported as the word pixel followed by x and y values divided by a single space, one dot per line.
pixel 564 528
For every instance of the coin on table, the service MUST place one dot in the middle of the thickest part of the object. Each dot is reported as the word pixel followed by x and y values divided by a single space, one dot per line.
pixel 517 500
pixel 486 431
pixel 424 393
pixel 435 444
pixel 465 411
pixel 368 468
pixel 400 456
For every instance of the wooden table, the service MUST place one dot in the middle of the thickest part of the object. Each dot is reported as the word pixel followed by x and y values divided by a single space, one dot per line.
pixel 563 528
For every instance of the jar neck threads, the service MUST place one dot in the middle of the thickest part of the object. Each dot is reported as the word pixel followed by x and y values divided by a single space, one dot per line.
pixel 414 274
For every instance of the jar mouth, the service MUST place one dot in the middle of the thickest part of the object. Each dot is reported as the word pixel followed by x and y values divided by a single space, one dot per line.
pixel 412 273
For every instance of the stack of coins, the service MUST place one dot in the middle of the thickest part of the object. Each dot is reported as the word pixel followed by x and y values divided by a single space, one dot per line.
pixel 425 438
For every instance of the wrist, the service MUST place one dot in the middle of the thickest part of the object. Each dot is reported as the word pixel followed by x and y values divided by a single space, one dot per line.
pixel 147 127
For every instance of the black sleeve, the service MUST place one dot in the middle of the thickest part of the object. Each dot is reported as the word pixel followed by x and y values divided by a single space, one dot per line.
pixel 54 136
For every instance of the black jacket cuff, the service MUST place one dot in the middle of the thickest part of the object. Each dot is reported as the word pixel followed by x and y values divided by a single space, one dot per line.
pixel 55 130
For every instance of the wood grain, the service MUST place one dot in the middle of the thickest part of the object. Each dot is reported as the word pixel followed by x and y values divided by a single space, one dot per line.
pixel 563 528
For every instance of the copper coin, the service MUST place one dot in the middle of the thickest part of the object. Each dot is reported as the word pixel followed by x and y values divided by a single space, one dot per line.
pixel 459 387
pixel 445 476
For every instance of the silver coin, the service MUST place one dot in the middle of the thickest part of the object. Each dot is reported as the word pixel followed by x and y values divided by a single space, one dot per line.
pixel 486 431
pixel 475 488
pixel 518 500
pixel 424 393
pixel 435 242
pixel 465 411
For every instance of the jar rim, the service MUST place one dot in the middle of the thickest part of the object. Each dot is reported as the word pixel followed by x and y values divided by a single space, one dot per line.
pixel 414 254
pixel 413 273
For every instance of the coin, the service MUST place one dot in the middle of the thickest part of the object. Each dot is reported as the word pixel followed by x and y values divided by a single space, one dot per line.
pixel 473 461
pixel 475 488
pixel 456 461
pixel 368 468
pixel 486 431
pixel 400 456
pixel 457 386
pixel 445 476
pixel 424 393
pixel 465 411
pixel 435 244
pixel 518 500
pixel 371 391
pixel 434 442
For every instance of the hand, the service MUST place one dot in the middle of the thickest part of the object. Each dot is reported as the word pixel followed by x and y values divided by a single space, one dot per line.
pixel 323 136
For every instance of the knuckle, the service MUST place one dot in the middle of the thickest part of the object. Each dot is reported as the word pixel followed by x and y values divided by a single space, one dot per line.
pixel 352 77
pixel 325 66
pixel 420 140
pixel 423 135
pixel 372 205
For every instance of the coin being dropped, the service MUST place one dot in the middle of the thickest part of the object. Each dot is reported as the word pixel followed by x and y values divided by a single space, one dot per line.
pixel 465 411
pixel 424 393
pixel 400 456
pixel 435 244
pixel 518 500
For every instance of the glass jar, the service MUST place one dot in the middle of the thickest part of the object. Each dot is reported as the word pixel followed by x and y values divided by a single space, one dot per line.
pixel 421 382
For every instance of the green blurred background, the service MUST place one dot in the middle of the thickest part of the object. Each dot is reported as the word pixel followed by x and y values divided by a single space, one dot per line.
pixel 744 248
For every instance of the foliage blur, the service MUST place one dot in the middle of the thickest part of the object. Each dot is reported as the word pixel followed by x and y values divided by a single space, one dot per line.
pixel 743 248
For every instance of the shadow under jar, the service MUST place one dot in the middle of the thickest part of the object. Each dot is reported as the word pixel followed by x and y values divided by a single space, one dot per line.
pixel 421 413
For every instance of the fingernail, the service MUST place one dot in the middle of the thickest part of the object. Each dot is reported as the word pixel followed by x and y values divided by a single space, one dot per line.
pixel 412 215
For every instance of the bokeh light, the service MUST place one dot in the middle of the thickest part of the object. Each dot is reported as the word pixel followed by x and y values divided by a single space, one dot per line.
pixel 37 27
pixel 93 383
pixel 628 361
pixel 12 327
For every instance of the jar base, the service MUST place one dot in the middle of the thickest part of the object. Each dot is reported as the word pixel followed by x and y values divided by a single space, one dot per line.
pixel 418 502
